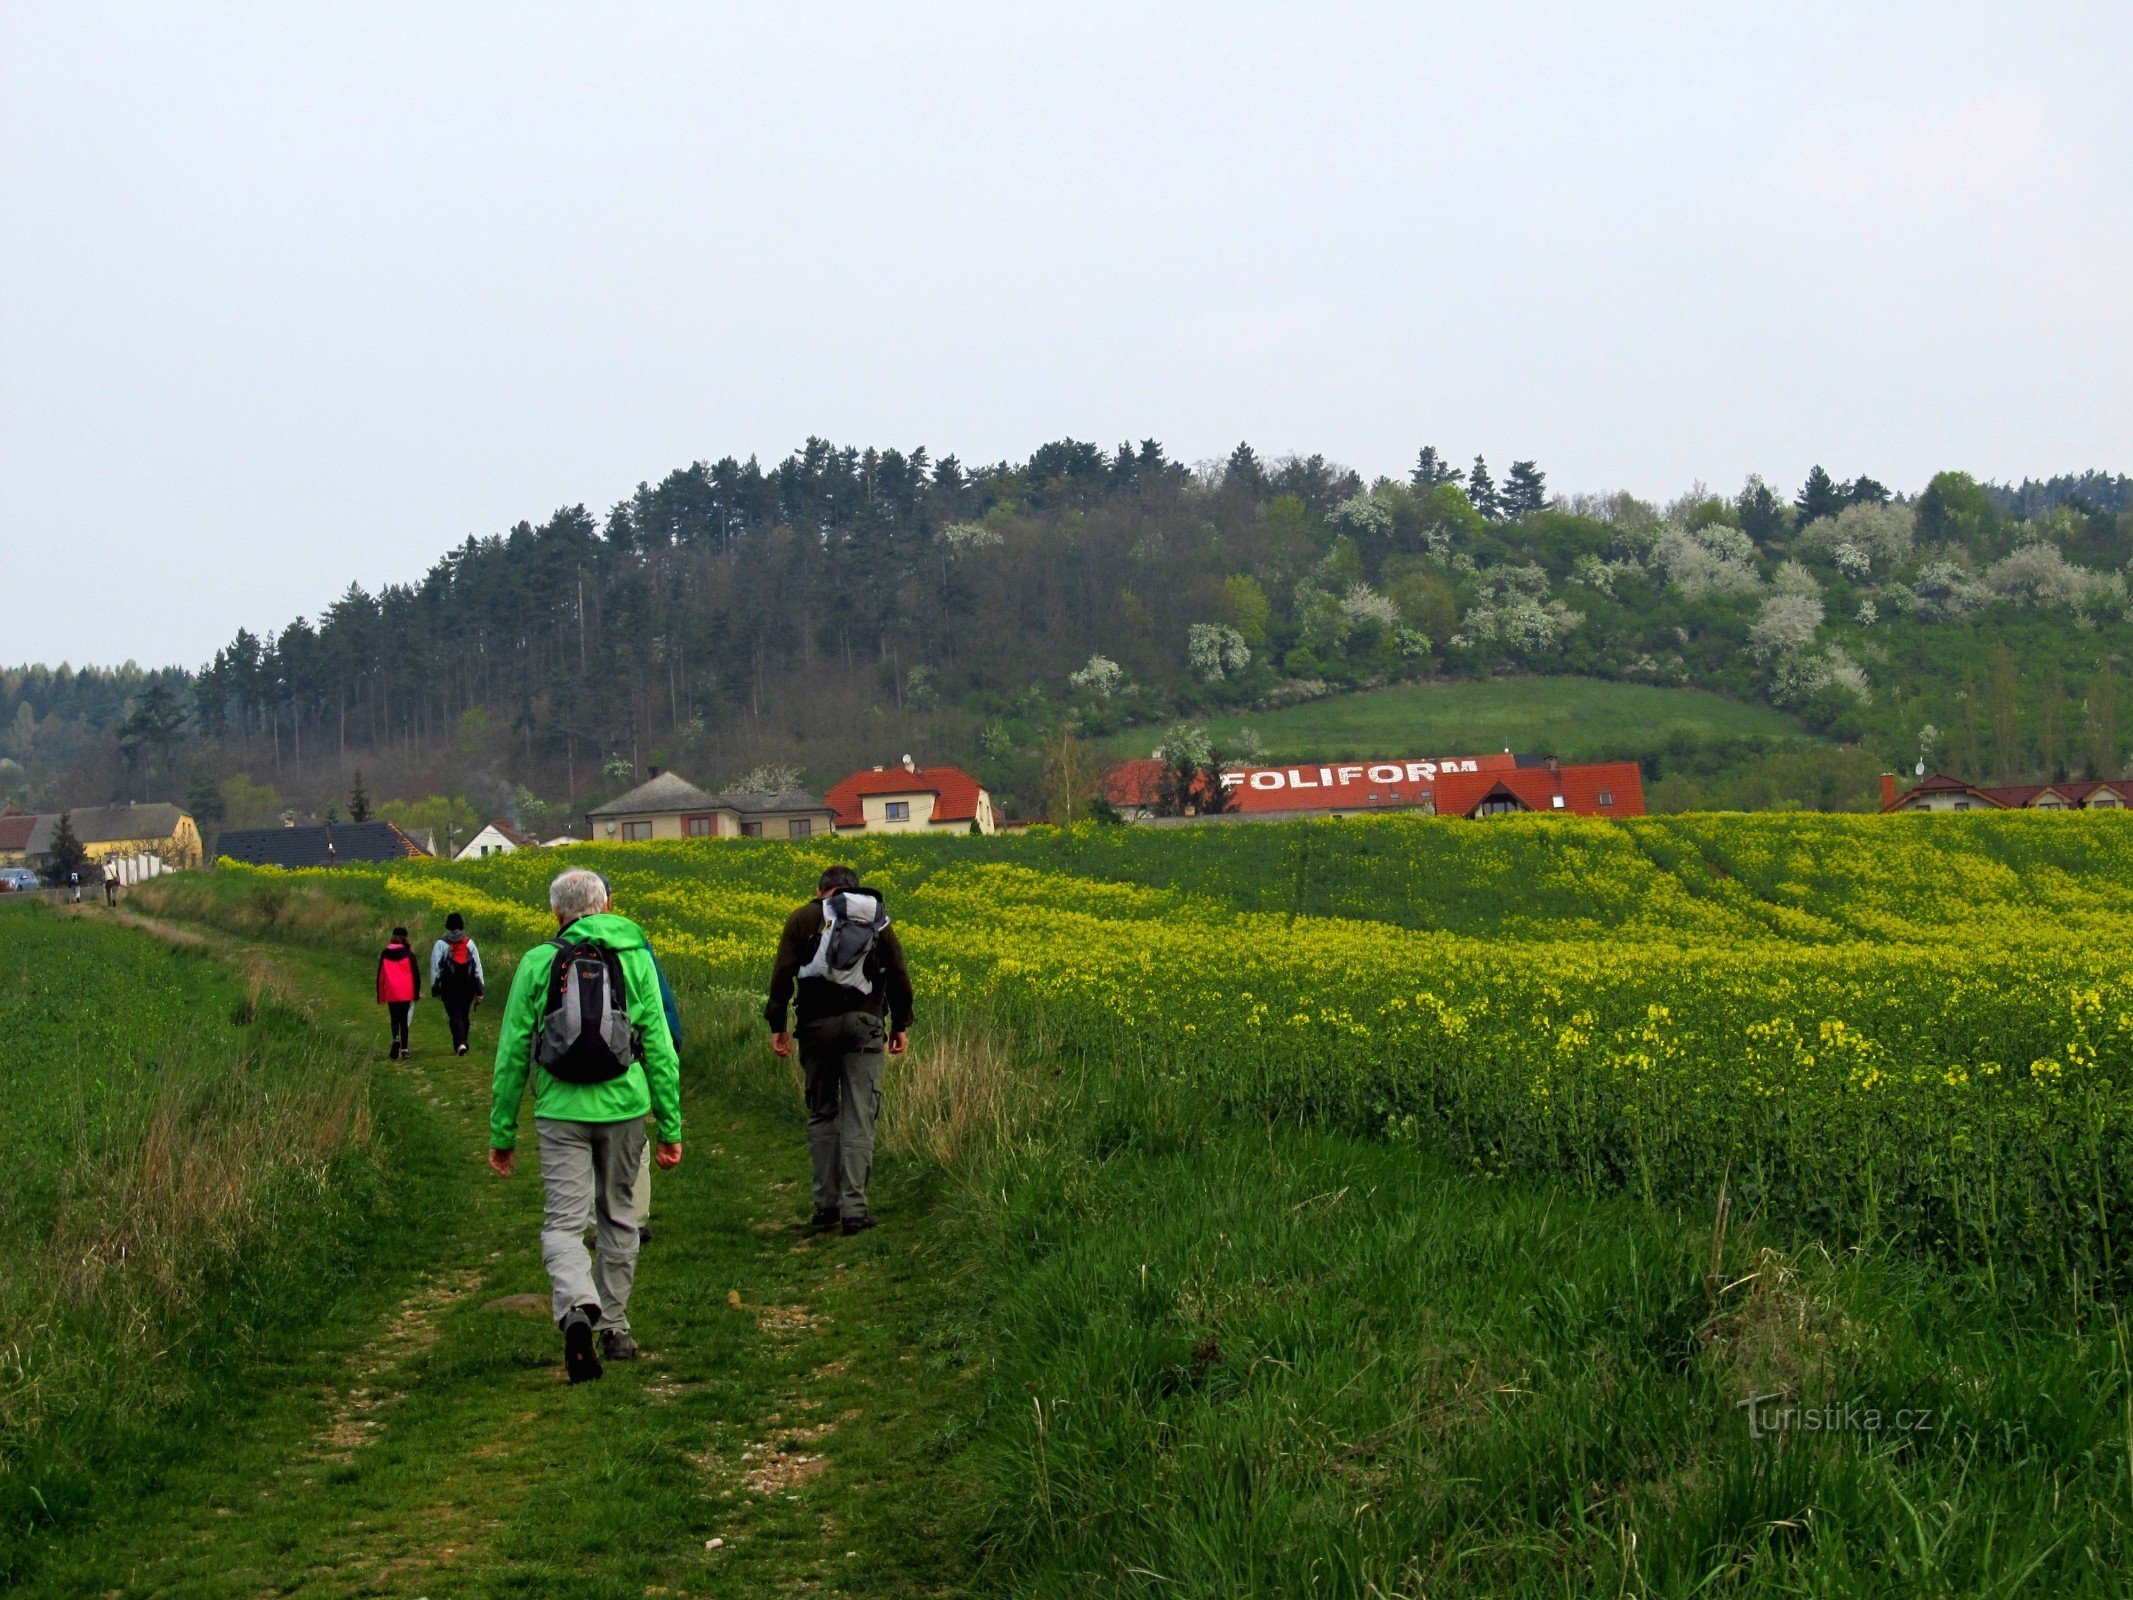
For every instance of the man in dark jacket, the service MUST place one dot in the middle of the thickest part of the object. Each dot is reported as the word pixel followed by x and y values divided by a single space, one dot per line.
pixel 841 1030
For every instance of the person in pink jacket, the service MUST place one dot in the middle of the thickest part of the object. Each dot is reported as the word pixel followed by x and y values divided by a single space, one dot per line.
pixel 397 987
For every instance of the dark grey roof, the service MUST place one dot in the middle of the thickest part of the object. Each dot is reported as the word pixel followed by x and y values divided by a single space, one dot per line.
pixel 783 802
pixel 107 825
pixel 667 792
pixel 307 846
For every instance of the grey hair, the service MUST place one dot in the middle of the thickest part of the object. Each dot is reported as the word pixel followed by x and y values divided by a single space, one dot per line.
pixel 577 893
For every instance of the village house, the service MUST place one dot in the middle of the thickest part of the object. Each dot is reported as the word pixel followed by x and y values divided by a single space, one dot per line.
pixel 908 798
pixel 496 838
pixel 1943 793
pixel 668 806
pixel 317 844
pixel 1451 786
pixel 132 841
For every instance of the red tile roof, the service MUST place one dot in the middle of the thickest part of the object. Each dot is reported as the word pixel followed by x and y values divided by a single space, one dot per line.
pixel 954 791
pixel 15 830
pixel 2008 796
pixel 1537 788
pixel 522 841
pixel 1312 786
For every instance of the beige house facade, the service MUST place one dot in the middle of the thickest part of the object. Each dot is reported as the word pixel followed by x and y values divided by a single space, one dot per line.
pixel 668 806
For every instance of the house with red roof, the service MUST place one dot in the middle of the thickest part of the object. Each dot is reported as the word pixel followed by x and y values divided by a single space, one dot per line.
pixel 1944 793
pixel 1599 789
pixel 908 798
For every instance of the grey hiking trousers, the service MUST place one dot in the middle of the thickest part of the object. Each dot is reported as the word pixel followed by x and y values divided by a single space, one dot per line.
pixel 841 1058
pixel 587 1172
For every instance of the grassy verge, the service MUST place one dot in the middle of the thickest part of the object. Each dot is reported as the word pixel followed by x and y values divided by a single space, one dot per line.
pixel 195 1172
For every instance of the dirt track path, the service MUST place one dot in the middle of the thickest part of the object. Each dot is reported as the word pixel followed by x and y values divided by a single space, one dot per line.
pixel 424 1442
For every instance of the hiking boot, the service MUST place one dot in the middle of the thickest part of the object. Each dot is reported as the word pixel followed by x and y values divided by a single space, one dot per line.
pixel 580 1360
pixel 459 1049
pixel 617 1345
pixel 854 1225
pixel 822 1222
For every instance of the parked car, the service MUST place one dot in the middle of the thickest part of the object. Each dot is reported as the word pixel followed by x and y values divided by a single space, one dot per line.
pixel 13 879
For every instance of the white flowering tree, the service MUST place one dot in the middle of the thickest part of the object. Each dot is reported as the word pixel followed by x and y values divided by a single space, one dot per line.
pixel 1215 650
pixel 1102 677
pixel 1785 625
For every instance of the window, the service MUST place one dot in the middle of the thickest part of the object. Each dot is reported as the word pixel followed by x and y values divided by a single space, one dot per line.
pixel 1607 797
pixel 636 830
pixel 800 828
pixel 1557 802
pixel 1496 805
pixel 700 827
pixel 751 830
pixel 897 811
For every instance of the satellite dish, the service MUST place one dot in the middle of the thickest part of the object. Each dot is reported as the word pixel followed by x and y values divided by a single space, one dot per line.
pixel 1920 769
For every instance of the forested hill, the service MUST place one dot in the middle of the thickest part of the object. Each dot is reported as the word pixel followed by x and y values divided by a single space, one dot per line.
pixel 849 605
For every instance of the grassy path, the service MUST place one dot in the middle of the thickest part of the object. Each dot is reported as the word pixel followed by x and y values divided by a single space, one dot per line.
pixel 791 1404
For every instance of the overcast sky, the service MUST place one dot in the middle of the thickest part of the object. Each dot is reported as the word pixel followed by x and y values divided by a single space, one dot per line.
pixel 297 295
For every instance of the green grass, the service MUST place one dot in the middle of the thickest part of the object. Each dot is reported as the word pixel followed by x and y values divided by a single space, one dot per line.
pixel 417 1438
pixel 1580 719
pixel 1282 1361
pixel 192 1171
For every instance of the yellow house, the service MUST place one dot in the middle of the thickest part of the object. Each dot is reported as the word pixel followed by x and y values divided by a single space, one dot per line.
pixel 134 841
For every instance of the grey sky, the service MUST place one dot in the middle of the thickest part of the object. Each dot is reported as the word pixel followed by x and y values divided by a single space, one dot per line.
pixel 294 295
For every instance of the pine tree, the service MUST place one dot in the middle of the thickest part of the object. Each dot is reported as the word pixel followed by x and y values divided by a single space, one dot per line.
pixel 1481 490
pixel 1525 491
pixel 1865 491
pixel 1762 513
pixel 67 856
pixel 1819 496
pixel 1431 469
pixel 1244 470
pixel 358 800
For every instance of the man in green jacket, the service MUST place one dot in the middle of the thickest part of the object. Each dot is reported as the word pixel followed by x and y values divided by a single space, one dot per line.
pixel 592 1134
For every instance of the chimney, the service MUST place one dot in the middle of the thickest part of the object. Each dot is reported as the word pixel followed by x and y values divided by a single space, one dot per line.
pixel 1553 763
pixel 1888 790
pixel 651 772
pixel 910 765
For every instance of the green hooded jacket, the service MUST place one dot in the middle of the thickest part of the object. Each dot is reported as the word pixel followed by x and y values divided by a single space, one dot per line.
pixel 653 1082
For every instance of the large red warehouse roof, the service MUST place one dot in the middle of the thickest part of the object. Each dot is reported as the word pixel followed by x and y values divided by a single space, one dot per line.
pixel 1313 786
pixel 1455 785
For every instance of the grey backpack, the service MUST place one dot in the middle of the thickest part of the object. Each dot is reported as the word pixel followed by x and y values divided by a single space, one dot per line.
pixel 586 1035
pixel 852 920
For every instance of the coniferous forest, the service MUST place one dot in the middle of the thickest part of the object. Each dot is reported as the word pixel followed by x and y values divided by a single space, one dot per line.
pixel 847 606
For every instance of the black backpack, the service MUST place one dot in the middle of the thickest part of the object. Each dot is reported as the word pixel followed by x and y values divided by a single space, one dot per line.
pixel 585 1034
pixel 852 923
